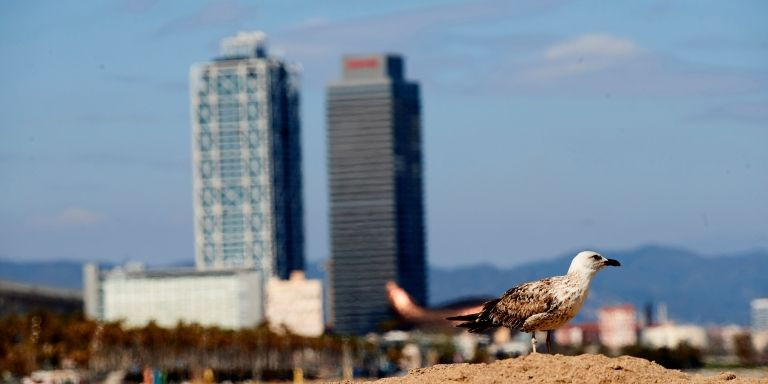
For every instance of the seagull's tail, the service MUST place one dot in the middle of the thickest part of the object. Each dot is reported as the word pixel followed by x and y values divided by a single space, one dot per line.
pixel 476 322
pixel 470 317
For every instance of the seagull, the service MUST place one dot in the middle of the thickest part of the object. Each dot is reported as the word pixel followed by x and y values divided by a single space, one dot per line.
pixel 541 305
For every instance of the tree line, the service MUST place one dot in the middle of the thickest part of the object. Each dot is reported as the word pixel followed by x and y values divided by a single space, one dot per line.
pixel 44 340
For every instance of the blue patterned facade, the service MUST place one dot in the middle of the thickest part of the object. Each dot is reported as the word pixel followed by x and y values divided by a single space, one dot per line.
pixel 247 162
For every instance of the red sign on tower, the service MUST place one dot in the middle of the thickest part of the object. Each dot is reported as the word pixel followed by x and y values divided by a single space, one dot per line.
pixel 361 63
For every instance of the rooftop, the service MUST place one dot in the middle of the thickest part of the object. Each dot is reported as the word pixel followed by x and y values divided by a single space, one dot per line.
pixel 38 290
pixel 244 45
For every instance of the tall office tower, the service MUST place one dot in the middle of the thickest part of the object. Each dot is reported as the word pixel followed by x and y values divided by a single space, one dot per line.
pixel 375 172
pixel 247 160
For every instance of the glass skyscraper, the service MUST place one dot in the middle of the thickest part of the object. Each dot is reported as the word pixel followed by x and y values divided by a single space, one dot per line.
pixel 247 160
pixel 376 201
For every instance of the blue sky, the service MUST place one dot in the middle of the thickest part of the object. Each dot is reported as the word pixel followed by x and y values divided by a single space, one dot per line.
pixel 549 126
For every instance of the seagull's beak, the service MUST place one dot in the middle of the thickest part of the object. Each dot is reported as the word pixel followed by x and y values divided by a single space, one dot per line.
pixel 611 262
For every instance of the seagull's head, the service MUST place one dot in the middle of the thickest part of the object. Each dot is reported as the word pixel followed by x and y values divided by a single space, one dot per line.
pixel 589 262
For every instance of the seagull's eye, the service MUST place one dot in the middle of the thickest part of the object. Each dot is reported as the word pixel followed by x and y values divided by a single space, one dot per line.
pixel 596 257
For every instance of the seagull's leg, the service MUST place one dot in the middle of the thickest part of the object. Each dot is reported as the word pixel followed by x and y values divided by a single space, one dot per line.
pixel 533 341
pixel 549 341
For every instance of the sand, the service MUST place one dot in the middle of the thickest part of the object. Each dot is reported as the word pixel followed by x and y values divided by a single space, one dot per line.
pixel 543 368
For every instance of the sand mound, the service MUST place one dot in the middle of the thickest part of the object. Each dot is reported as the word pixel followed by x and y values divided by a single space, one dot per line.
pixel 541 368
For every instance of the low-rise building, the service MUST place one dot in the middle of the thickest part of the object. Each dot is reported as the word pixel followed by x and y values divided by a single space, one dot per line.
pixel 296 303
pixel 17 298
pixel 569 335
pixel 722 338
pixel 578 334
pixel 223 298
pixel 670 335
pixel 760 341
pixel 759 312
pixel 618 326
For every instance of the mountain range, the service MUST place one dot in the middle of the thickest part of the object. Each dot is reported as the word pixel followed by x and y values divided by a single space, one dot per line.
pixel 704 290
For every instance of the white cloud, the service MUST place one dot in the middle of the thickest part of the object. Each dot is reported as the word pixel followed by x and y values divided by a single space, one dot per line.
pixel 318 43
pixel 583 54
pixel 443 56
pixel 69 217
pixel 643 75
pixel 599 45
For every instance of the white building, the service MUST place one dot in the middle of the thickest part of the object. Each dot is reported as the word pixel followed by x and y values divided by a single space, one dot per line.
pixel 618 326
pixel 569 335
pixel 671 335
pixel 296 303
pixel 760 340
pixel 724 337
pixel 759 314
pixel 228 299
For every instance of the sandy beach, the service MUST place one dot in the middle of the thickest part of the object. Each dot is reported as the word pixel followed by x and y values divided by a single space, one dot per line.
pixel 542 368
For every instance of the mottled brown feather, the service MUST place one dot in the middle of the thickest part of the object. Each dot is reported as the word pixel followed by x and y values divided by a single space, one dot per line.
pixel 515 306
pixel 521 302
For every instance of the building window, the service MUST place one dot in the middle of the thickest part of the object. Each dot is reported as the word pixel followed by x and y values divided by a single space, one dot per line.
pixel 229 111
pixel 208 196
pixel 209 252
pixel 209 224
pixel 255 195
pixel 206 169
pixel 229 140
pixel 231 167
pixel 204 113
pixel 252 110
pixel 256 222
pixel 232 222
pixel 227 83
pixel 250 81
pixel 253 139
pixel 258 249
pixel 232 196
pixel 205 141
pixel 254 167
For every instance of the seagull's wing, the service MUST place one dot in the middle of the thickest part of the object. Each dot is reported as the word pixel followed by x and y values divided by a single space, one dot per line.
pixel 512 308
pixel 522 302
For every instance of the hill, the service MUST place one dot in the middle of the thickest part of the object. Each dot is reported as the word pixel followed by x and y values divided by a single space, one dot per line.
pixel 545 369
pixel 60 274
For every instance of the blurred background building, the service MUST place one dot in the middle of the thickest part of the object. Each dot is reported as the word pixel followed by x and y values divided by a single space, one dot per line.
pixel 296 304
pixel 248 209
pixel 229 298
pixel 759 314
pixel 617 325
pixel 18 298
pixel 670 335
pixel 376 199
pixel 247 160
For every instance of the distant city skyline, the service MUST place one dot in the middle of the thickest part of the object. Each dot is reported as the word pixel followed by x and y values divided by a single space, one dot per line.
pixel 550 126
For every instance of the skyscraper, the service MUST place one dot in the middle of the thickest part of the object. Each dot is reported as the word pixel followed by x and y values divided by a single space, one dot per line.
pixel 247 160
pixel 376 202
